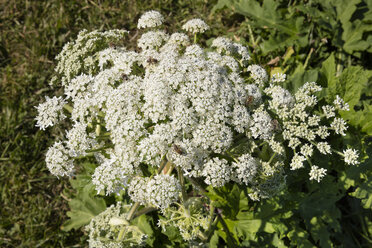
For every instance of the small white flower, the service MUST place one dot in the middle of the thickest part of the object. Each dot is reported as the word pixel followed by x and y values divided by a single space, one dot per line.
pixel 307 150
pixel 339 125
pixel 278 77
pixel 351 156
pixel 152 39
pixel 324 148
pixel 162 190
pixel 58 161
pixel 195 26
pixel 258 74
pixel 137 189
pixel 329 111
pixel 317 173
pixel 50 112
pixel 223 44
pixel 246 168
pixel 179 39
pixel 340 104
pixel 297 162
pixel 217 172
pixel 150 19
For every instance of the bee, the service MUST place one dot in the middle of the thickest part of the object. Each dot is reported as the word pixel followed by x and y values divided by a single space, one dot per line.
pixel 112 45
pixel 124 76
pixel 249 101
pixel 152 60
pixel 276 125
pixel 177 149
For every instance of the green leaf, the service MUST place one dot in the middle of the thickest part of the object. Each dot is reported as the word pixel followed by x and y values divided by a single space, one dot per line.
pixel 364 192
pixel 142 222
pixel 83 208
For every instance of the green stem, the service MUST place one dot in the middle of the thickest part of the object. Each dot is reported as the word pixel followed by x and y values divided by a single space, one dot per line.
pixel 144 211
pixel 226 229
pixel 272 157
pixel 196 184
pixel 68 108
pixel 163 163
pixel 195 38
pixel 308 57
pixel 132 211
pixel 182 182
pixel 122 233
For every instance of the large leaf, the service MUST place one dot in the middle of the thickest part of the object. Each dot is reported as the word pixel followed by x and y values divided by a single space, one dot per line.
pixel 364 192
pixel 83 208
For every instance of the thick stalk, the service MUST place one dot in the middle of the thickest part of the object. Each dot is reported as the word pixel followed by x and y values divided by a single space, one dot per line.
pixel 132 211
pixel 182 182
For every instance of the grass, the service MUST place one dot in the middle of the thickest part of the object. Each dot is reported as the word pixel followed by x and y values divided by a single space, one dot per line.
pixel 31 34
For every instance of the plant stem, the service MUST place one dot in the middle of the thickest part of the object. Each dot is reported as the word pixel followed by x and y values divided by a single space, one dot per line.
pixel 197 185
pixel 68 108
pixel 182 182
pixel 308 57
pixel 144 211
pixel 132 211
pixel 226 229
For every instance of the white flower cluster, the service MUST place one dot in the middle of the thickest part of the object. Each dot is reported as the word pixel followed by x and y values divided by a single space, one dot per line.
pixel 160 191
pixel 58 160
pixel 110 229
pixel 351 156
pixel 302 126
pixel 246 168
pixel 217 172
pixel 175 101
pixel 195 26
pixel 317 173
pixel 150 19
pixel 50 112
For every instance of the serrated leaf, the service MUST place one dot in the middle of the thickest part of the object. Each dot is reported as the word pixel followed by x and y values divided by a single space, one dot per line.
pixel 82 209
pixel 364 192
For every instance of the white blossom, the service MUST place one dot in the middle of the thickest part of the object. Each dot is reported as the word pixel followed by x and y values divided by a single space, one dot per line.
pixel 278 77
pixel 351 156
pixel 317 173
pixel 58 160
pixel 329 111
pixel 245 168
pixel 324 148
pixel 297 162
pixel 150 19
pixel 162 190
pixel 339 125
pixel 50 112
pixel 195 26
pixel 258 74
pixel 217 172
pixel 340 104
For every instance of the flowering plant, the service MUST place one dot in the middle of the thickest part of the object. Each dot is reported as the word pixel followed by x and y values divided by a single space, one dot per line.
pixel 173 125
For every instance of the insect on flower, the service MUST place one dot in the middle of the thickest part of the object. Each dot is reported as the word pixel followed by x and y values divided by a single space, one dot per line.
pixel 249 101
pixel 152 60
pixel 177 149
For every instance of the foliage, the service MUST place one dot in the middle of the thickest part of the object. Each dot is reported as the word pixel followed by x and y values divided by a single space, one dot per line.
pixel 337 212
pixel 306 32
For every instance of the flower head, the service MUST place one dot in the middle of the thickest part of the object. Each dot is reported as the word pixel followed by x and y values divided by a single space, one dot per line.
pixel 50 112
pixel 150 19
pixel 195 26
pixel 317 173
pixel 351 156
